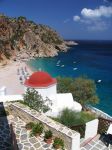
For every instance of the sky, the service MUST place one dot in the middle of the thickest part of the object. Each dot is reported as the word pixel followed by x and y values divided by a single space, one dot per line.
pixel 72 19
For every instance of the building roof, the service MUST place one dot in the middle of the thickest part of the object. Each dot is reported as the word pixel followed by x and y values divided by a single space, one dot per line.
pixel 40 79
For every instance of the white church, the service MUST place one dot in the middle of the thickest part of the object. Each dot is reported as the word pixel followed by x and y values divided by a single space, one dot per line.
pixel 47 87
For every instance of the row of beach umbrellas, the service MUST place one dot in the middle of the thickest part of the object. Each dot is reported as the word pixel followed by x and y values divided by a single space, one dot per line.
pixel 23 74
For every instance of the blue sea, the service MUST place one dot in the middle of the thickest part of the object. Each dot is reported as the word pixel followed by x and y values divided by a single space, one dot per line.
pixel 90 58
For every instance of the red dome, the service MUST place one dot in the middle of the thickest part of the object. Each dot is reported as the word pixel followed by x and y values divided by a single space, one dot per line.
pixel 40 79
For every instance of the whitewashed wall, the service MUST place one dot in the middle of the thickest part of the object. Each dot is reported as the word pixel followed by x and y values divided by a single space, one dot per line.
pixel 3 91
pixel 8 98
pixel 91 129
pixel 49 92
pixel 76 142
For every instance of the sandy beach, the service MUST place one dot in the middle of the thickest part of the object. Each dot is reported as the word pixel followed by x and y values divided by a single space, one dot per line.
pixel 12 76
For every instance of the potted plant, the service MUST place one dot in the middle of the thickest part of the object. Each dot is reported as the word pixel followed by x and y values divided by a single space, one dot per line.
pixel 48 136
pixel 29 125
pixel 58 143
pixel 37 129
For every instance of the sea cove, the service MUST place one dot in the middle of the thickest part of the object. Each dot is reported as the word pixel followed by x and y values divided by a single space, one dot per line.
pixel 90 58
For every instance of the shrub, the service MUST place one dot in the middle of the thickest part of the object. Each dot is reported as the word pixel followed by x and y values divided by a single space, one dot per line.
pixel 71 118
pixel 37 129
pixel 58 143
pixel 21 18
pixel 29 125
pixel 87 116
pixel 48 134
pixel 35 101
pixel 7 55
pixel 48 137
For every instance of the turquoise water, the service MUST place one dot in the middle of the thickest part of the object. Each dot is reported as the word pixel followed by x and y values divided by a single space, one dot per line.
pixel 93 59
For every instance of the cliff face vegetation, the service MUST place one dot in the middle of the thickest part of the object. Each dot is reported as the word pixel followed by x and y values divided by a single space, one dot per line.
pixel 24 39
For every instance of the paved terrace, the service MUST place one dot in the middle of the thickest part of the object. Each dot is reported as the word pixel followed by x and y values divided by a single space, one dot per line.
pixel 96 144
pixel 24 140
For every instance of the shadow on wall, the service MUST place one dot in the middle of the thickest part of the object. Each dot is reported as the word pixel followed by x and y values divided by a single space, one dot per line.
pixel 7 137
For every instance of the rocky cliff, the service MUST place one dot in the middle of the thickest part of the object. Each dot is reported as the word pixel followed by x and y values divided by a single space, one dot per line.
pixel 24 39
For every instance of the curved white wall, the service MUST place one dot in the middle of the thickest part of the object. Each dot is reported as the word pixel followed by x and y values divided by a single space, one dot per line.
pixel 8 98
pixel 49 92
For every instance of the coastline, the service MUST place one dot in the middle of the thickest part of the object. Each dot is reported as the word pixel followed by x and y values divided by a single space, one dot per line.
pixel 9 76
pixel 89 61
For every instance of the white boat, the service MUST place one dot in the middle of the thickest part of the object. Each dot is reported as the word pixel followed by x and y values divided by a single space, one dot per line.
pixel 75 68
pixel 99 81
pixel 58 61
pixel 62 65
pixel 57 65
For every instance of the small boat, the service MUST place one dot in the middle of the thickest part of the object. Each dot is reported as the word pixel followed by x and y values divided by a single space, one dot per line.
pixel 74 62
pixel 75 68
pixel 58 61
pixel 62 65
pixel 99 81
pixel 57 65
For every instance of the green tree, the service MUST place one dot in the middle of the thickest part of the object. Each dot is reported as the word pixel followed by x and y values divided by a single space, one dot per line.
pixel 35 101
pixel 82 89
pixel 85 91
pixel 64 84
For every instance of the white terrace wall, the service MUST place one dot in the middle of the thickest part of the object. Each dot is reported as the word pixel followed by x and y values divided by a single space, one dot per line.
pixel 3 91
pixel 99 113
pixel 9 98
pixel 71 138
pixel 91 129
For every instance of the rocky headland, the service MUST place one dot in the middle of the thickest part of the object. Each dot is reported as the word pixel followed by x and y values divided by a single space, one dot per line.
pixel 21 39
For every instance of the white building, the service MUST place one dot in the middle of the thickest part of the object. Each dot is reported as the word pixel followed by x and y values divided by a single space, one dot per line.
pixel 3 91
pixel 47 87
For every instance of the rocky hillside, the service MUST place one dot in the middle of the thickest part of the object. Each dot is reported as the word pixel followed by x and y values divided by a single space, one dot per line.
pixel 24 39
